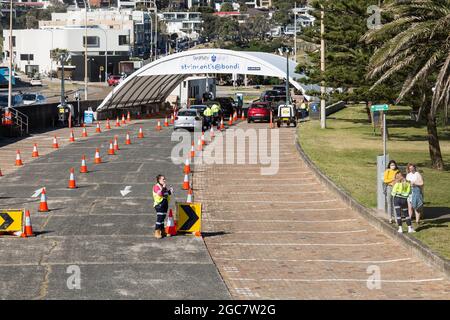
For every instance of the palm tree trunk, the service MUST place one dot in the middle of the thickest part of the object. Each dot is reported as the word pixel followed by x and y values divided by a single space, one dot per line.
pixel 433 141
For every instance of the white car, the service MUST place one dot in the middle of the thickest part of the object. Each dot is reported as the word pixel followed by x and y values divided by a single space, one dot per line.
pixel 33 98
pixel 36 82
pixel 188 119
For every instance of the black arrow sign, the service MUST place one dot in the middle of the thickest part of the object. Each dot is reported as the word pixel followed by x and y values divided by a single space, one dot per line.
pixel 192 218
pixel 8 221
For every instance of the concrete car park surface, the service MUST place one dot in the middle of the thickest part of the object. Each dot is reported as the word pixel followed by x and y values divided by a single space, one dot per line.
pixel 286 236
pixel 109 237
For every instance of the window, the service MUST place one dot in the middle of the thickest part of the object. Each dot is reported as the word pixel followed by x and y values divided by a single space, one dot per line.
pixel 123 40
pixel 26 57
pixel 92 41
pixel 13 41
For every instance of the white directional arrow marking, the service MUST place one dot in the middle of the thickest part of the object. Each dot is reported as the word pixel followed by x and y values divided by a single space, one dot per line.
pixel 37 193
pixel 125 191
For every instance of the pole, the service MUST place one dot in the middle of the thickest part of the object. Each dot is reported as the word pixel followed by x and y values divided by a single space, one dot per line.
pixel 323 119
pixel 156 31
pixel 63 99
pixel 85 51
pixel 11 52
pixel 287 76
pixel 106 56
pixel 384 136
pixel 295 33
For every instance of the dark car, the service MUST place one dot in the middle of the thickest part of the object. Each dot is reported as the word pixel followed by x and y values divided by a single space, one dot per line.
pixel 227 104
pixel 259 111
pixel 16 100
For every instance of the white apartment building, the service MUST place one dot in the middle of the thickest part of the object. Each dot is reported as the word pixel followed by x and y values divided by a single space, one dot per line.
pixel 197 3
pixel 265 4
pixel 32 49
pixel 185 24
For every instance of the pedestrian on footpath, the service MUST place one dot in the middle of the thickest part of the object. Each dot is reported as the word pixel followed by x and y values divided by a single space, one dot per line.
pixel 400 192
pixel 161 198
pixel 415 200
pixel 389 179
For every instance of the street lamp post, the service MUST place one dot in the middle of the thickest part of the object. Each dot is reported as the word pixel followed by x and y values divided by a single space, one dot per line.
pixel 85 50
pixel 106 54
pixel 295 32
pixel 286 50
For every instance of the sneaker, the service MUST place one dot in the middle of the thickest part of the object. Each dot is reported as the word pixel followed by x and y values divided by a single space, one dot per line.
pixel 400 229
pixel 411 230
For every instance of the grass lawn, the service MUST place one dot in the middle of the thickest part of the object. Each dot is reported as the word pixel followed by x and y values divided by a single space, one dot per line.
pixel 346 151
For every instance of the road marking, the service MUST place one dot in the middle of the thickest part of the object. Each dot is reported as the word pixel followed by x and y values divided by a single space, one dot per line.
pixel 269 201
pixel 125 191
pixel 307 232
pixel 299 244
pixel 281 192
pixel 313 260
pixel 269 179
pixel 277 221
pixel 37 193
pixel 337 280
pixel 278 184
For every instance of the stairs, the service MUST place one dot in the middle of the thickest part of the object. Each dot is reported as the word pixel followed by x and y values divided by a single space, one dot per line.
pixel 19 126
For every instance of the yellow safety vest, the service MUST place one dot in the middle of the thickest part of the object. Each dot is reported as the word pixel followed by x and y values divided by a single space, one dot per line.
pixel 157 199
pixel 401 189
pixel 207 112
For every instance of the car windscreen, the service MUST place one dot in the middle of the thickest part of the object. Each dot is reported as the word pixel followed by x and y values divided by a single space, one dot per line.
pixel 29 97
pixel 187 114
pixel 262 106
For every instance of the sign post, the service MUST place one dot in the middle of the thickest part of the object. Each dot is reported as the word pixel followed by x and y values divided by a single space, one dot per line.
pixel 381 160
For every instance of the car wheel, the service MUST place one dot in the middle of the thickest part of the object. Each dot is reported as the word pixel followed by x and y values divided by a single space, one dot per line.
pixel 278 124
pixel 249 120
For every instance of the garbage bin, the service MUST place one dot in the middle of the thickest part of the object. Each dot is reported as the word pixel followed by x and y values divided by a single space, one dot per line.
pixel 314 111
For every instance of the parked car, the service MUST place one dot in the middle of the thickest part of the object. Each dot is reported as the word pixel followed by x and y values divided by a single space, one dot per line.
pixel 190 119
pixel 259 111
pixel 281 88
pixel 36 82
pixel 114 80
pixel 33 98
pixel 16 100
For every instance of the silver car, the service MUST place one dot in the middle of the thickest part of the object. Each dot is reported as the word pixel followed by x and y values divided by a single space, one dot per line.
pixel 188 119
pixel 33 98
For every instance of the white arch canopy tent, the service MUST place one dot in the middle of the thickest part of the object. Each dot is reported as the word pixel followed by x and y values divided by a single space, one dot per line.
pixel 154 82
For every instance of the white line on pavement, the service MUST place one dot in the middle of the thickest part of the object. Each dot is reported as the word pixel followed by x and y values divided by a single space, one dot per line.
pixel 278 221
pixel 299 244
pixel 306 232
pixel 338 280
pixel 313 260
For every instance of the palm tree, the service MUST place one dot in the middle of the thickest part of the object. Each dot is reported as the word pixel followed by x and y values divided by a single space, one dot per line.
pixel 415 46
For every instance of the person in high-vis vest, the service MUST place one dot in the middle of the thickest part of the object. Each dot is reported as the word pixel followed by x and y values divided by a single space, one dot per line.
pixel 161 198
pixel 400 192
pixel 208 116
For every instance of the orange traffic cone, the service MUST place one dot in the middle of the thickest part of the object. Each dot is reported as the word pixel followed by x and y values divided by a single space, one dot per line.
pixel 129 117
pixel 116 144
pixel 18 159
pixel 84 134
pixel 35 153
pixel 171 230
pixel 97 158
pixel 230 122
pixel 28 229
pixel 271 122
pixel 187 167
pixel 141 134
pixel 158 127
pixel 222 126
pixel 117 122
pixel 111 148
pixel 197 233
pixel 189 196
pixel 127 139
pixel 172 119
pixel 43 207
pixel 55 143
pixel 72 183
pixel 166 122
pixel 211 132
pixel 108 126
pixel 203 139
pixel 83 168
pixel 98 130
pixel 235 116
pixel 199 145
pixel 192 151
pixel 72 137
pixel 242 115
pixel 123 119
pixel 186 182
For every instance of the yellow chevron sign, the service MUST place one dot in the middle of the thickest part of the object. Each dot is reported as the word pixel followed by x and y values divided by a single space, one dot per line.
pixel 11 220
pixel 189 217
